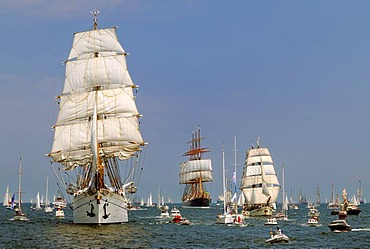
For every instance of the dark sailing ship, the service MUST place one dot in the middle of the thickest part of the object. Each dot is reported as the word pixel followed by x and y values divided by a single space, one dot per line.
pixel 193 173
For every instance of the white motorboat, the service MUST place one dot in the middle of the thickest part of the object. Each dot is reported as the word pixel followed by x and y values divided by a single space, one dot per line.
pixel 314 221
pixel 277 238
pixel 313 212
pixel 59 213
pixel 339 226
pixel 175 212
pixel 271 221
pixel 176 215
pixel 164 212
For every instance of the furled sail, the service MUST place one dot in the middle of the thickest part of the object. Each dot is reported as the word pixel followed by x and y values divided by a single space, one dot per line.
pixel 96 75
pixel 259 181
pixel 191 171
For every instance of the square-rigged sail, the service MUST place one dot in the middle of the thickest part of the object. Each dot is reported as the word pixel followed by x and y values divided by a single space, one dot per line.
pixel 259 181
pixel 96 74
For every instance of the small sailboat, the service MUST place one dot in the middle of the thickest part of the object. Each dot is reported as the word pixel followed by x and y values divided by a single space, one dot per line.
pixel 284 208
pixel 38 202
pixel 149 203
pixel 334 202
pixel 359 194
pixel 7 199
pixel 235 201
pixel 225 217
pixel 19 215
pixel 48 208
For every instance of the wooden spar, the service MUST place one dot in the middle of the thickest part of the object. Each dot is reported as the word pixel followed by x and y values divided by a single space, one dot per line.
pixel 200 185
pixel 195 151
pixel 100 169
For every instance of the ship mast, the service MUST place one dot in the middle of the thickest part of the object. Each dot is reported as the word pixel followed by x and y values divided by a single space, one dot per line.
pixel 95 20
pixel 195 152
pixel 99 165
pixel 20 184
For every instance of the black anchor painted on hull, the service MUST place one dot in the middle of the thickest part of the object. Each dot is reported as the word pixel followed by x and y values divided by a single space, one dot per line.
pixel 91 213
pixel 105 216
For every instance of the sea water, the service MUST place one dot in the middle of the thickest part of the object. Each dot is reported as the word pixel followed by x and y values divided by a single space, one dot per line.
pixel 146 230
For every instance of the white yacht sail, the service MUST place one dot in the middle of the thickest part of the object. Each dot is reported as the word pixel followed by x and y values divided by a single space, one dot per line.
pixel 225 217
pixel 259 184
pixel 98 125
pixel 38 201
pixel 6 202
pixel 48 208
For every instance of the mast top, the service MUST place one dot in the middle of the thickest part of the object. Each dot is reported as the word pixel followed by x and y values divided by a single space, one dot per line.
pixel 95 13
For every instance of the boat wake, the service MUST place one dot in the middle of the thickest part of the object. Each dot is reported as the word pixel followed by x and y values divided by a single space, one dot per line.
pixel 360 229
pixel 307 225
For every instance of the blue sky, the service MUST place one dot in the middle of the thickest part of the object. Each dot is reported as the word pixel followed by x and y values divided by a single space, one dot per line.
pixel 295 73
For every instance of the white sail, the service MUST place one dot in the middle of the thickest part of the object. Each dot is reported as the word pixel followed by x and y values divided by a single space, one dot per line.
pixel 192 170
pixel 354 201
pixel 285 205
pixel 265 190
pixel 96 75
pixel 241 199
pixel 98 123
pixel 259 181
pixel 38 201
pixel 149 202
pixel 6 197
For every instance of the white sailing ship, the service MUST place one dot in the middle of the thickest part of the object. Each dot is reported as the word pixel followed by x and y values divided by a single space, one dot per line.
pixel 259 184
pixel 98 125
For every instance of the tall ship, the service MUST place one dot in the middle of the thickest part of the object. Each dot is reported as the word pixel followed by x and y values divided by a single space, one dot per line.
pixel 194 173
pixel 259 182
pixel 97 129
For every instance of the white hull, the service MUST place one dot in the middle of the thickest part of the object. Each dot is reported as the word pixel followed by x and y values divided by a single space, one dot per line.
pixel 48 209
pixel 225 219
pixel 278 238
pixel 100 208
pixel 59 214
pixel 262 211
pixel 20 217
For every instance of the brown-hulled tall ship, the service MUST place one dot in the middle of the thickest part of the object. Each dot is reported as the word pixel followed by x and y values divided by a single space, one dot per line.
pixel 193 173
